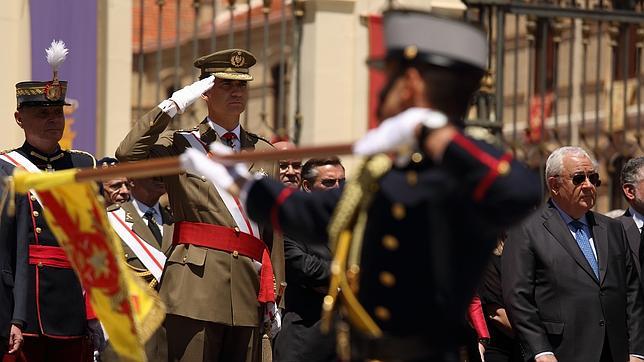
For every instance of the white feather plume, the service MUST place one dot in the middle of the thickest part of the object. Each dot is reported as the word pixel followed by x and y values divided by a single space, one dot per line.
pixel 56 54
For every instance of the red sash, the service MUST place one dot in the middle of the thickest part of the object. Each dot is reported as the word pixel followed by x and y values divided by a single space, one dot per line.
pixel 231 241
pixel 52 256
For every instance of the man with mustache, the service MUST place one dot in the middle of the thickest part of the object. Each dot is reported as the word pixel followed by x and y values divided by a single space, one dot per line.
pixel 570 283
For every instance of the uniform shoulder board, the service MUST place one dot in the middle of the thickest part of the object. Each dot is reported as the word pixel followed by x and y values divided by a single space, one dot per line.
pixel 79 152
pixel 113 207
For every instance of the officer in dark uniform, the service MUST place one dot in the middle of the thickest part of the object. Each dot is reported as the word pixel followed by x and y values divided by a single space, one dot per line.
pixel 410 240
pixel 50 304
pixel 10 334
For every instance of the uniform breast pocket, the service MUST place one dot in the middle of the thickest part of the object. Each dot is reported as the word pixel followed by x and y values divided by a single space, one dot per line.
pixel 7 278
pixel 188 255
pixel 198 187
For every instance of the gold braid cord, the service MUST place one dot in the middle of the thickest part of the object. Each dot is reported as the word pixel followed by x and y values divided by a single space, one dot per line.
pixel 346 232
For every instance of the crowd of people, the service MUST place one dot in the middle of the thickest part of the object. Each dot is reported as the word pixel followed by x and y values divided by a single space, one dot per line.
pixel 291 256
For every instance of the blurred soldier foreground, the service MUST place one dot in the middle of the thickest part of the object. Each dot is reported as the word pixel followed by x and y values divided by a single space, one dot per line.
pixel 49 301
pixel 423 230
pixel 219 274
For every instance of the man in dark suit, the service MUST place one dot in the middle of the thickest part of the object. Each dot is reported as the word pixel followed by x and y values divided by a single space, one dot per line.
pixel 412 238
pixel 569 280
pixel 632 180
pixel 308 267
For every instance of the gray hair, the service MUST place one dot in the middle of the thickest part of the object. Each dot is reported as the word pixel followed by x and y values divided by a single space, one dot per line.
pixel 631 171
pixel 554 164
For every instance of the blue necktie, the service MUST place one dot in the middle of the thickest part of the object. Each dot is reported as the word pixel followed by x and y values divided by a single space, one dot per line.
pixel 584 244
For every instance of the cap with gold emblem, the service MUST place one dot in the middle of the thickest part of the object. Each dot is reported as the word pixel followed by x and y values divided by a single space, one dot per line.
pixel 451 43
pixel 45 93
pixel 227 64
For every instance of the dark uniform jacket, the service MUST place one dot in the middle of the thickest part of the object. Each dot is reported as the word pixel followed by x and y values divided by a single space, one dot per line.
pixel 50 300
pixel 553 298
pixel 198 282
pixel 429 232
pixel 10 254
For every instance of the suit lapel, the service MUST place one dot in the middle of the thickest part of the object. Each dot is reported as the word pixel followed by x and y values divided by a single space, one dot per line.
pixel 139 226
pixel 600 239
pixel 246 143
pixel 168 230
pixel 559 230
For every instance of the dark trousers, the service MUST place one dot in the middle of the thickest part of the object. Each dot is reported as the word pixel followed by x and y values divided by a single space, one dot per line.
pixel 48 349
pixel 192 340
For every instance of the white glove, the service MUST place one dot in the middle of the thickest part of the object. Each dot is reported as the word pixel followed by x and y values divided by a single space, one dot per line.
pixel 273 316
pixel 398 131
pixel 187 95
pixel 95 331
pixel 198 163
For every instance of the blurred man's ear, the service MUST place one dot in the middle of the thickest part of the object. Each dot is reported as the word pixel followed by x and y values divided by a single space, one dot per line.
pixel 629 192
pixel 306 186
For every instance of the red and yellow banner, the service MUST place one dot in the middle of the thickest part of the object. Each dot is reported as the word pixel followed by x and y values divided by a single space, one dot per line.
pixel 129 311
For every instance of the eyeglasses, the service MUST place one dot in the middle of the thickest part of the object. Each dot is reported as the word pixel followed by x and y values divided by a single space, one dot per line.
pixel 330 182
pixel 579 178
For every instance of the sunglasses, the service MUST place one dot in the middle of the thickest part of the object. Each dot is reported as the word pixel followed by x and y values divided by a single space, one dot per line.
pixel 330 182
pixel 579 178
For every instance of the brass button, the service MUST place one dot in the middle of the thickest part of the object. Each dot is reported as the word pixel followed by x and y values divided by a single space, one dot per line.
pixel 203 178
pixel 398 211
pixel 382 313
pixel 235 254
pixel 40 266
pixel 410 52
pixel 128 255
pixel 32 197
pixel 390 242
pixel 184 259
pixel 387 279
pixel 412 178
pixel 35 213
pixel 416 157
pixel 236 230
pixel 503 167
pixel 38 230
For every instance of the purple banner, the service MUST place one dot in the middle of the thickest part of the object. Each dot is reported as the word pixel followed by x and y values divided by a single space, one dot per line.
pixel 74 22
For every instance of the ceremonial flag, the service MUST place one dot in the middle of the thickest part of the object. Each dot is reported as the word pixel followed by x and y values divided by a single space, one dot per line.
pixel 129 311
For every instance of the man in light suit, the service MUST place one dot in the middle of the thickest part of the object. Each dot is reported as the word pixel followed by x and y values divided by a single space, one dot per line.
pixel 569 280
pixel 632 180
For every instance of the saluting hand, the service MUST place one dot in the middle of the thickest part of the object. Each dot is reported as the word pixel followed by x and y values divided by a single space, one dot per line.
pixel 15 339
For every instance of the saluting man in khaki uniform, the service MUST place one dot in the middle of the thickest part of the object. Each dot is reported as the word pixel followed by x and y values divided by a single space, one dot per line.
pixel 219 274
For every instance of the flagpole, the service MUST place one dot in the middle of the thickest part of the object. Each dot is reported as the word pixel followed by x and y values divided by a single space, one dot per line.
pixel 172 165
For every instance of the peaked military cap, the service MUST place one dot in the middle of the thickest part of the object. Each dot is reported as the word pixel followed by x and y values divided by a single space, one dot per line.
pixel 46 93
pixel 227 64
pixel 42 94
pixel 420 36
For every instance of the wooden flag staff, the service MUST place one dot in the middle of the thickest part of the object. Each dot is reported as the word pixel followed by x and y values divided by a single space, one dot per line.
pixel 172 166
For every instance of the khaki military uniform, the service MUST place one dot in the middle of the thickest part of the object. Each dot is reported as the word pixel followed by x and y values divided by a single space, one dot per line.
pixel 156 348
pixel 201 283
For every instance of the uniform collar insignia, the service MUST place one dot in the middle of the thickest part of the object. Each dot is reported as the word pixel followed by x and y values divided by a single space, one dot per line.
pixel 128 217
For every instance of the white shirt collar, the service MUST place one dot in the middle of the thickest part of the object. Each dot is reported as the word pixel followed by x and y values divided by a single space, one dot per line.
pixel 222 131
pixel 637 217
pixel 142 208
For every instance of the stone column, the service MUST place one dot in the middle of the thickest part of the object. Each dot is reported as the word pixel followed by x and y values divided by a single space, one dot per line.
pixel 14 20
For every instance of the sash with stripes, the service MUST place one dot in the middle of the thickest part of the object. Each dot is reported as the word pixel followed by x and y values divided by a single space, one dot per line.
pixel 234 206
pixel 150 257
pixel 17 160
